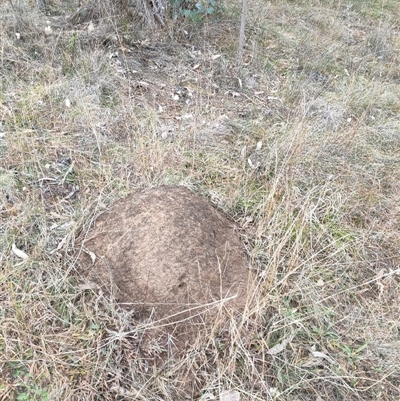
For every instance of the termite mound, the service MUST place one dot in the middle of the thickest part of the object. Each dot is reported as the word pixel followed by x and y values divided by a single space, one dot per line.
pixel 169 254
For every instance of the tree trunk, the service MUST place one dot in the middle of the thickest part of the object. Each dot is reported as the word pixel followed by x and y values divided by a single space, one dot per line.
pixel 241 34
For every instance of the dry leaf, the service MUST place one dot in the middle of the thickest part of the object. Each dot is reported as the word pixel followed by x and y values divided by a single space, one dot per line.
pixel 311 363
pixel 88 286
pixel 143 84
pixel 317 354
pixel 60 245
pixel 229 395
pixel 18 252
pixel 273 392
pixel 276 349
pixel 122 391
pixel 92 256
pixel 207 397
pixel 90 27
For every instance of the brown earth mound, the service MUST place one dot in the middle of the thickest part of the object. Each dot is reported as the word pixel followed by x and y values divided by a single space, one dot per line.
pixel 167 250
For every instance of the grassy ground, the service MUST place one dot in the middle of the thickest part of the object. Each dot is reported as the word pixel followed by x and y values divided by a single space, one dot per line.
pixel 301 144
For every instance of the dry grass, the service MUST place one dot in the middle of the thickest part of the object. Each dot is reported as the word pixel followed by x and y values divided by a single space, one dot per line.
pixel 87 116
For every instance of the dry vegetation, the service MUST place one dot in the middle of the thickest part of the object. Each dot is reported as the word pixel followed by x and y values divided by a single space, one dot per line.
pixel 301 144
